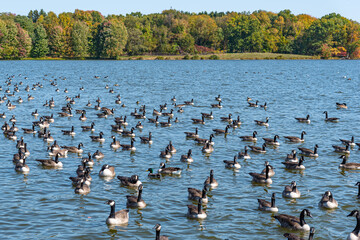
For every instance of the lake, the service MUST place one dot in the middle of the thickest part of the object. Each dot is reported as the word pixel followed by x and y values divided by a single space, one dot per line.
pixel 43 205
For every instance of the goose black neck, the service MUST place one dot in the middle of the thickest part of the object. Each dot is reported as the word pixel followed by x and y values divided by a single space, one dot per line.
pixel 302 218
pixel 139 196
pixel 112 211
pixel 357 228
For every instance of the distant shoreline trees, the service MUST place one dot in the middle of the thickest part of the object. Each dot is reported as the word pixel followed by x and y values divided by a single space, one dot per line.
pixel 89 34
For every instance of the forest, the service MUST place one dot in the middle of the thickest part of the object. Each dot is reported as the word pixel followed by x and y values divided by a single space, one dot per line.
pixel 90 35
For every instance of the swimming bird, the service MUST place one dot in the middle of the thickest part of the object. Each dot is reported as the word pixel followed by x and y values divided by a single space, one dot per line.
pixel 328 201
pixel 107 171
pixel 295 165
pixel 261 149
pixel 348 166
pixel 136 201
pixel 117 218
pixel 157 229
pixel 232 164
pixel 210 181
pixel 327 119
pixel 354 235
pixel 272 141
pixel 187 157
pixel 250 138
pixel 348 142
pixel 268 206
pixel 245 154
pixel 261 178
pixel 262 123
pixel 291 191
pixel 308 152
pixel 196 194
pixel 292 222
pixel 296 139
pixel 304 120
pixel 132 181
pixel 169 170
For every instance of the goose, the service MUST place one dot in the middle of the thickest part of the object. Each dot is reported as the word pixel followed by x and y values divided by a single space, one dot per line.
pixel 295 165
pixel 195 211
pixel 169 170
pixel 262 123
pixel 196 195
pixel 253 104
pixel 74 149
pixel 158 229
pixel 199 121
pixel 261 178
pixel 152 174
pixel 147 139
pixel 67 132
pixel 250 138
pixel 341 105
pixel 99 138
pixel 136 201
pixel 351 166
pixel 165 154
pixel 189 102
pixel 296 139
pixel 258 149
pixel 304 120
pixel 308 152
pixel 22 167
pixel 88 161
pixel 30 130
pixel 129 147
pixel 187 157
pixel 291 191
pixel 203 140
pixel 107 171
pixel 292 222
pixel 245 154
pixel 165 124
pixel 115 144
pixel 272 141
pixel 220 131
pixel 227 119
pixel 82 188
pixel 271 169
pixel 156 120
pixel 132 181
pixel 291 236
pixel 171 147
pixel 343 150
pixel 328 201
pixel 268 206
pixel 210 181
pixel 192 134
pixel 327 119
pixel 232 164
pixel 208 115
pixel 354 235
pixel 51 163
pixel 207 148
pixel 218 105
pixel 348 142
pixel 218 98
pixel 98 155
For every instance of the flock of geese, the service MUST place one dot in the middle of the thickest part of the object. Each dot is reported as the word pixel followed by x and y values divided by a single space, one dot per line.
pixel 163 117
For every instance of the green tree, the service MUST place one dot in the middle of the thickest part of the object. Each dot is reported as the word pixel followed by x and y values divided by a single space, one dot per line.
pixel 40 43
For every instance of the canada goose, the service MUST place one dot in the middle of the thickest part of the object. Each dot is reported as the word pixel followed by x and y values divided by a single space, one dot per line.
pixel 107 171
pixel 210 181
pixel 208 115
pixel 82 188
pixel 115 144
pixel 304 120
pixel 51 163
pixel 232 164
pixel 296 139
pixel 341 105
pixel 351 166
pixel 348 142
pixel 268 206
pixel 220 131
pixel 203 140
pixel 136 201
pixel 129 147
pixel 170 147
pixel 249 138
pixel 158 228
pixel 245 154
pixel 295 165
pixel 272 141
pixel 291 236
pixel 169 170
pixel 192 134
pixel 30 130
pixel 207 148
pixel 196 212
pixel 199 121
pixel 22 167
pixel 327 119
pixel 67 132
pixel 218 105
pixel 147 139
pixel 291 191
pixel 132 181
pixel 165 124
pixel 261 149
pixel 187 157
pixel 328 201
pixel 271 169
pixel 99 138
pixel 293 222
pixel 343 150
pixel 152 174
pixel 196 194
pixel 261 178
pixel 189 102
pixel 253 104
pixel 98 155
pixel 227 119
pixel 74 149
pixel 354 235
pixel 308 152
pixel 262 123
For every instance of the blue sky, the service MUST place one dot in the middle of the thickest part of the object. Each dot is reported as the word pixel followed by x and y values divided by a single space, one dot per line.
pixel 316 8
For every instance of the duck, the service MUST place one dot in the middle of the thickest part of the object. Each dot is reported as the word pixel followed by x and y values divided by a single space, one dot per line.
pixel 348 166
pixel 22 167
pixel 152 174
pixel 166 124
pixel 74 149
pixel 217 105
pixel 272 141
pixel 147 139
pixel 348 142
pixel 262 123
pixel 291 191
pixel 117 218
pixel 199 121
pixel 271 170
pixel 171 147
pixel 261 149
pixel 204 140
pixel 129 147
pixel 51 163
pixel 250 138
pixel 208 115
pixel 296 139
pixel 304 120
pixel 227 119
pixel 187 157
pixel 107 171
pixel 196 212
pixel 196 194
pixel 327 119
pixel 354 235
pixel 295 165
pixel 292 222
pixel 253 104
pixel 261 178
pixel 291 236
pixel 67 132
pixel 136 201
pixel 169 170
pixel 220 131
pixel 339 149
pixel 268 206
pixel 157 229
pixel 308 152
pixel 232 164
pixel 82 188
pixel 98 155
pixel 341 105
pixel 328 201
pixel 132 181
pixel 99 138
pixel 210 181
pixel 192 134
pixel 245 154
pixel 115 144
pixel 207 148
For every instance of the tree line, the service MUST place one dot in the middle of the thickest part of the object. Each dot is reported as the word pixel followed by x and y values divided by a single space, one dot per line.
pixel 89 34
